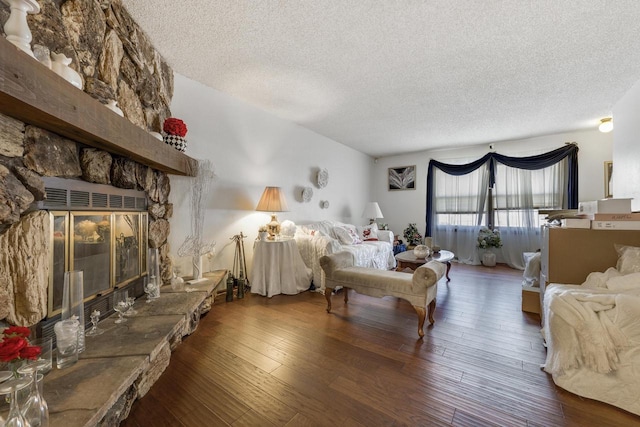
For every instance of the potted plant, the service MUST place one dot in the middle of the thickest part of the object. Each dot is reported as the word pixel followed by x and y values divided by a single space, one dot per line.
pixel 488 239
pixel 412 236
pixel 175 131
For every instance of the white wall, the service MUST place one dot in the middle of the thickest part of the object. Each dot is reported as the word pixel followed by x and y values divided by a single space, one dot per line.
pixel 251 149
pixel 403 207
pixel 626 148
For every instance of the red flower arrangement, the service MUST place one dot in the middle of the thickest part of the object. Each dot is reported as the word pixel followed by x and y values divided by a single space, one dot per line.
pixel 15 346
pixel 174 126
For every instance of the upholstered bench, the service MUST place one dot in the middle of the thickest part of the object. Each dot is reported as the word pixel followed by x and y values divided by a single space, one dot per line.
pixel 419 288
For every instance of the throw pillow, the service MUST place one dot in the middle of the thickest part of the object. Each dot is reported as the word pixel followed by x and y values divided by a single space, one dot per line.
pixel 287 228
pixel 368 232
pixel 354 236
pixel 345 236
pixel 628 259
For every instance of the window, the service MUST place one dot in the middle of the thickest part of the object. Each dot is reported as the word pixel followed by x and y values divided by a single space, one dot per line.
pixel 502 192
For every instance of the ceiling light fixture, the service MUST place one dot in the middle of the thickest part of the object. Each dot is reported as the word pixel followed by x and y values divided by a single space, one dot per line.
pixel 606 125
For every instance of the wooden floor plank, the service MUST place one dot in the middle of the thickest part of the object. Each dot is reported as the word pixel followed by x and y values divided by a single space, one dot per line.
pixel 284 361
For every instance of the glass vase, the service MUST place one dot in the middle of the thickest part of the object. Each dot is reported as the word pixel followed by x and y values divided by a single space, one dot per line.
pixel 35 409
pixel 11 388
pixel 154 273
pixel 73 302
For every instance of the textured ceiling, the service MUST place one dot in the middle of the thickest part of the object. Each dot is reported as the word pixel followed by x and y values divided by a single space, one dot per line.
pixel 389 77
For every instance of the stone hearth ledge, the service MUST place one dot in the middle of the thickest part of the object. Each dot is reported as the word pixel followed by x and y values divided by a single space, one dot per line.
pixel 122 364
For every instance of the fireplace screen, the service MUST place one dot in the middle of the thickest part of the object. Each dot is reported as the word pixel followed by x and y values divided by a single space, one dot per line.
pixel 110 248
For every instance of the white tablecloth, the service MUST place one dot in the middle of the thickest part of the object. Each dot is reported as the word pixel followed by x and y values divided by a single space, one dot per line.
pixel 278 268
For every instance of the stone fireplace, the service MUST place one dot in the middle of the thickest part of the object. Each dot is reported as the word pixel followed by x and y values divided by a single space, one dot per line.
pixel 101 229
pixel 49 130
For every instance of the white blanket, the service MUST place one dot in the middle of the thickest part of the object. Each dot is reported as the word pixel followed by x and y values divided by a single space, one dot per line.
pixel 585 333
pixel 605 299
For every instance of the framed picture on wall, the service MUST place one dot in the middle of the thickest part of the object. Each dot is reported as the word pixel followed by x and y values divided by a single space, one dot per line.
pixel 608 174
pixel 402 178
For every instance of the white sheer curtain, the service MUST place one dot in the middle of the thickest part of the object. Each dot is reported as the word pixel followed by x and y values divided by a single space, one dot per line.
pixel 460 211
pixel 518 194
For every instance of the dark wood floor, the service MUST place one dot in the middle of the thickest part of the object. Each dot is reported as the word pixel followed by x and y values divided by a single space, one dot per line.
pixel 285 362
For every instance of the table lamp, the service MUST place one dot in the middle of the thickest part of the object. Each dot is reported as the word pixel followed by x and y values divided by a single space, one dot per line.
pixel 372 211
pixel 273 201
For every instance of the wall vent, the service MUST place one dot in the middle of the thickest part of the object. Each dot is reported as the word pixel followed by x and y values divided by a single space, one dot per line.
pixel 79 199
pixel 56 197
pixel 72 194
pixel 129 202
pixel 99 200
pixel 115 201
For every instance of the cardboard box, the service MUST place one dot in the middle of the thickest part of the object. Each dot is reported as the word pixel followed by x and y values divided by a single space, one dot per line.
pixel 618 206
pixel 531 299
pixel 634 216
pixel 576 223
pixel 615 225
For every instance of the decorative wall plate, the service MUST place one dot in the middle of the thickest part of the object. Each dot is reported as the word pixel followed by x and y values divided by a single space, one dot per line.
pixel 307 194
pixel 322 178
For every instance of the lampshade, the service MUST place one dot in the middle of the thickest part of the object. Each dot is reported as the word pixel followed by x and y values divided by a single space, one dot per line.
pixel 606 125
pixel 272 200
pixel 372 211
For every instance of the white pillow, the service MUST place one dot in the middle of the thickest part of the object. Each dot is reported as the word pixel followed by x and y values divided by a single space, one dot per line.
pixel 287 228
pixel 345 236
pixel 629 259
pixel 368 232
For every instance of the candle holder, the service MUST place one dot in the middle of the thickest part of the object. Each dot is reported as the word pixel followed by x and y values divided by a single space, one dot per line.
pixel 94 331
pixel 16 27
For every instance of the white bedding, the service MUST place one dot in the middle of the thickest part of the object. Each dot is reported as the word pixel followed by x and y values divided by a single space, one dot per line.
pixel 592 333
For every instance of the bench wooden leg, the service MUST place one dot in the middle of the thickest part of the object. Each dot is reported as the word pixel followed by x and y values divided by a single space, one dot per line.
pixel 327 295
pixel 432 309
pixel 422 313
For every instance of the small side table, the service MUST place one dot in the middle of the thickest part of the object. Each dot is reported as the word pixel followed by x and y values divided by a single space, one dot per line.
pixel 278 268
pixel 408 260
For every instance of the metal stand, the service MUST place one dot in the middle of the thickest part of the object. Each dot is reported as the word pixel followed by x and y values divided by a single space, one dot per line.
pixel 239 271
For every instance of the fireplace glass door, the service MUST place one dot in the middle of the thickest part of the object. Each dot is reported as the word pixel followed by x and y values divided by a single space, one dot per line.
pixel 127 247
pixel 91 249
pixel 109 247
pixel 59 258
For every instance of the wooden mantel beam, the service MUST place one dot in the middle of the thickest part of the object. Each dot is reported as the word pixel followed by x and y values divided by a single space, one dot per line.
pixel 32 93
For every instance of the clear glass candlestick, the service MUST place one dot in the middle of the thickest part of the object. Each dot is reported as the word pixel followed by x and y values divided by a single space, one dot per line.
pixel 131 311
pixel 95 318
pixel 120 304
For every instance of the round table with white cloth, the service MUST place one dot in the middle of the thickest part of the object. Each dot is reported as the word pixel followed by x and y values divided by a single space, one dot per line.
pixel 278 268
